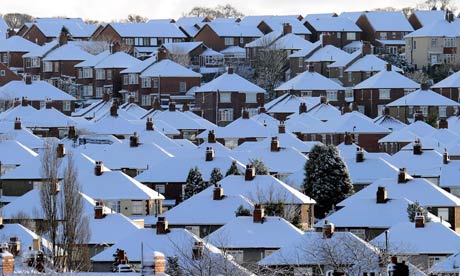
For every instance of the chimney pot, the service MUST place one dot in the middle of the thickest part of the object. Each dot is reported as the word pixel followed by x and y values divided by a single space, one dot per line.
pixel 211 137
pixel 388 67
pixel 149 124
pixel 287 28
pixel 28 79
pixel 114 110
pixel 382 195
pixel 417 147
pixel 71 134
pixel 98 168
pixel 311 68
pixel 24 101
pixel 259 214
pixel 275 144
pixel 209 154
pixel 359 155
pixel 134 140
pixel 218 193
pixel 302 108
pixel 250 173
pixel 99 210
pixel 185 107
pixel 230 70
pixel 323 99
pixel 402 175
pixel 105 97
pixel 172 106
pixel 328 230
pixel 60 150
pixel 443 123
pixel 424 86
pixel 348 139
pixel 156 104
pixel 17 123
pixel 162 226
pixel 162 54
pixel 419 220
pixel 281 127
pixel 245 114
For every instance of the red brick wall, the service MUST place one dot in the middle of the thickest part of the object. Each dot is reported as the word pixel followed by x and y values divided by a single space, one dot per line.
pixel 35 35
pixel 451 93
pixel 9 75
pixel 15 59
pixel 210 38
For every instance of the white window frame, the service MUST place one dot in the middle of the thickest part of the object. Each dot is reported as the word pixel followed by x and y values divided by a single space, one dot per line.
pixel 424 110
pixel 238 255
pixel 100 74
pixel 87 73
pixel 251 97
pixel 66 105
pixel 384 94
pixel 383 35
pixel 442 111
pixel 146 100
pixel 332 95
pixel 99 92
pixel 138 207
pixel 155 82
pixel 47 66
pixel 225 97
pixel 2 73
pixel 229 41
pixel 146 82
pixel 182 87
pixel 133 79
pixel 351 36
pixel 225 114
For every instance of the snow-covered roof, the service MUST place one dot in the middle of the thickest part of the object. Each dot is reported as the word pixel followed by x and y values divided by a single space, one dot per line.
pixel 42 50
pixel 47 118
pixel 233 29
pixel 134 110
pixel 286 140
pixel 440 28
pixel 387 79
pixel 24 235
pixel 346 60
pixel 93 60
pixel 427 164
pixel 242 232
pixel 15 153
pixel 370 170
pixel 168 68
pixel 289 103
pixel 355 122
pixel 36 91
pixel 230 83
pixel 309 81
pixel 370 63
pixel 23 136
pixel 17 44
pixel 182 47
pixel 327 53
pixel 390 21
pixel 67 52
pixel 353 16
pixel 428 17
pixel 178 120
pixel 405 238
pixel 292 42
pixel 117 60
pixel 241 128
pixel 154 29
pixel 305 123
pixel 101 229
pixel 333 24
pixel 111 125
pixel 324 112
pixel 275 22
pixel 51 27
pixel 389 122
pixel 423 98
pixel 190 20
pixel 449 174
pixel 234 51
pixel 452 81
pixel 449 265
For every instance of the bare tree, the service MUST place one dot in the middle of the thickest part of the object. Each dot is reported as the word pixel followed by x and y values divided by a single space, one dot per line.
pixel 179 55
pixel 103 43
pixel 220 11
pixel 16 20
pixel 135 18
pixel 441 4
pixel 418 76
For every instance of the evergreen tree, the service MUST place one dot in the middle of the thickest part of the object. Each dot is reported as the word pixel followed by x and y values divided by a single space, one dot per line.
pixel 173 267
pixel 259 166
pixel 413 209
pixel 326 178
pixel 241 211
pixel 216 176
pixel 233 170
pixel 194 183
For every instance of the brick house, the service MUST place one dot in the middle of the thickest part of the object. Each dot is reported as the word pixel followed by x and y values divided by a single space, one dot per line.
pixel 86 75
pixel 222 100
pixel 162 78
pixel 419 19
pixel 385 29
pixel 6 75
pixel 449 87
pixel 423 100
pixel 12 49
pixel 185 52
pixel 380 89
pixel 219 36
pixel 325 56
pixel 341 30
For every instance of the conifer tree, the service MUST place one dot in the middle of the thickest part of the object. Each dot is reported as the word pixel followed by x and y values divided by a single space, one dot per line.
pixel 414 208
pixel 173 267
pixel 259 166
pixel 233 170
pixel 194 183
pixel 326 178
pixel 216 176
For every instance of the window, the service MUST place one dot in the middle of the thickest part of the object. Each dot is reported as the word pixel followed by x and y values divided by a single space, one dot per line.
pixel 100 74
pixel 133 79
pixel 42 104
pixel 146 82
pixel 442 111
pixel 160 188
pixel 155 82
pixel 47 66
pixel 407 91
pixel 268 252
pixel 226 114
pixel 340 72
pixel 99 91
pixel 424 110
pixel 350 76
pixel 28 62
pixel 125 79
pixel 302 271
pixel 109 74
pixel 5 58
pixel 146 41
pixel 360 109
pixel 138 207
pixel 349 93
pixel 225 97
pixel 35 62
pixel 383 35
pixel 229 41
pixel 380 108
pixel 194 229
pixel 66 105
pixel 449 58
pixel 300 62
pixel 2 73
pixel 449 42
pixel 113 204
pixel 307 93
pixel 35 77
pixel 182 87
pixel 146 100
pixel 241 40
pixel 434 41
pixel 87 90
pixel 237 255
pixel 351 36
pixel 153 41
pixel 252 111
pixel 80 73
pixel 411 110
pixel 384 94
pixel 56 66
pixel 331 95
pixel 393 35
pixel 251 98
pixel 339 35
pixel 87 73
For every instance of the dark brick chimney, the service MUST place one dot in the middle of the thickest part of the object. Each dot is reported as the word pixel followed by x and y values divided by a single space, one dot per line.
pixel 326 39
pixel 134 140
pixel 386 111
pixel 245 114
pixel 443 123
pixel 17 123
pixel 17 102
pixel 348 139
pixel 99 210
pixel 10 32
pixel 198 250
pixel 162 226
pixel 98 168
pixel 275 144
pixel 162 54
pixel 262 110
pixel 114 109
pixel 250 173
pixel 302 108
pixel 403 177
pixel 28 79
pixel 185 107
pixel 445 157
pixel 367 48
pixel 105 97
pixel 382 195
pixel 346 108
pixel 149 124
pixel 71 133
pixel 60 151
pixel 418 116
pixel 424 86
pixel 172 106
pixel 230 70
pixel 14 245
pixel 218 193
pixel 359 155
pixel 287 28
pixel 211 137
pixel 311 68
pixel 323 99
pixel 48 103
pixel 281 127
pixel 328 230
pixel 417 147
pixel 156 105
pixel 419 220
pixel 209 154
pixel 388 67
pixel 259 214
pixel 63 39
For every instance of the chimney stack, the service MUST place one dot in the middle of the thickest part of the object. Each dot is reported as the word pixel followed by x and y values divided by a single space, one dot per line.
pixel 245 114
pixel 323 99
pixel 275 144
pixel 24 101
pixel 348 139
pixel 250 173
pixel 28 79
pixel 366 48
pixel 325 39
pixel 48 103
pixel 36 244
pixel 98 168
pixel 388 67
pixel 311 68
pixel 328 230
pixel 386 111
pixel 417 147
pixel 60 150
pixel 14 246
pixel 346 108
pixel 156 103
pixel 63 39
pixel 418 116
pixel 402 175
pixel 134 140
pixel 443 123
pixel 198 250
pixel 114 47
pixel 162 226
pixel 230 70
pixel 287 28
pixel 185 107
pixel 122 257
pixel 262 110
pixel 281 127
pixel 10 32
pixel 131 99
pixel 99 210
pixel 159 264
pixel 259 214
pixel 172 106
pixel 359 155
pixel 162 54
pixel 209 154
pixel 211 137
pixel 71 133
pixel 445 157
pixel 17 123
pixel 424 86
pixel 6 262
pixel 302 108
pixel 218 193
pixel 105 97
pixel 419 220
pixel 382 195
pixel 114 109
pixel 16 102
pixel 149 124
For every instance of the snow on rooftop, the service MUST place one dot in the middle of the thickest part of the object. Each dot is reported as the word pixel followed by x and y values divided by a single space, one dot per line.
pixel 230 83
pixel 93 60
pixel 36 91
pixel 423 98
pixel 17 44
pixel 309 81
pixel 327 53
pixel 333 24
pixel 389 122
pixel 370 63
pixel 387 79
pixel 117 60
pixel 324 112
pixel 67 52
pixel 428 17
pixel 439 28
pixel 168 68
pixel 154 29
pixel 391 21
pixel 452 81
pixel 370 170
pixel 234 29
pixel 355 122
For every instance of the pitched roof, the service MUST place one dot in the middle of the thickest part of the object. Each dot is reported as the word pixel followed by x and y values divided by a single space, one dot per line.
pixel 67 52
pixel 309 81
pixel 36 91
pixel 168 68
pixel 234 29
pixel 428 17
pixel 230 83
pixel 327 53
pixel 391 21
pixel 387 79
pixel 440 28
pixel 93 60
pixel 370 63
pixel 17 44
pixel 333 24
pixel 423 98
pixel 354 122
pixel 117 60
pixel 154 29
pixel 449 82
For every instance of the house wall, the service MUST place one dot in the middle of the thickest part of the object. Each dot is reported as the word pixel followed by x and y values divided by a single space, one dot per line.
pixel 402 113
pixel 108 34
pixel 65 68
pixel 451 93
pixel 9 75
pixel 369 98
pixel 13 187
pixel 14 59
pixel 35 35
